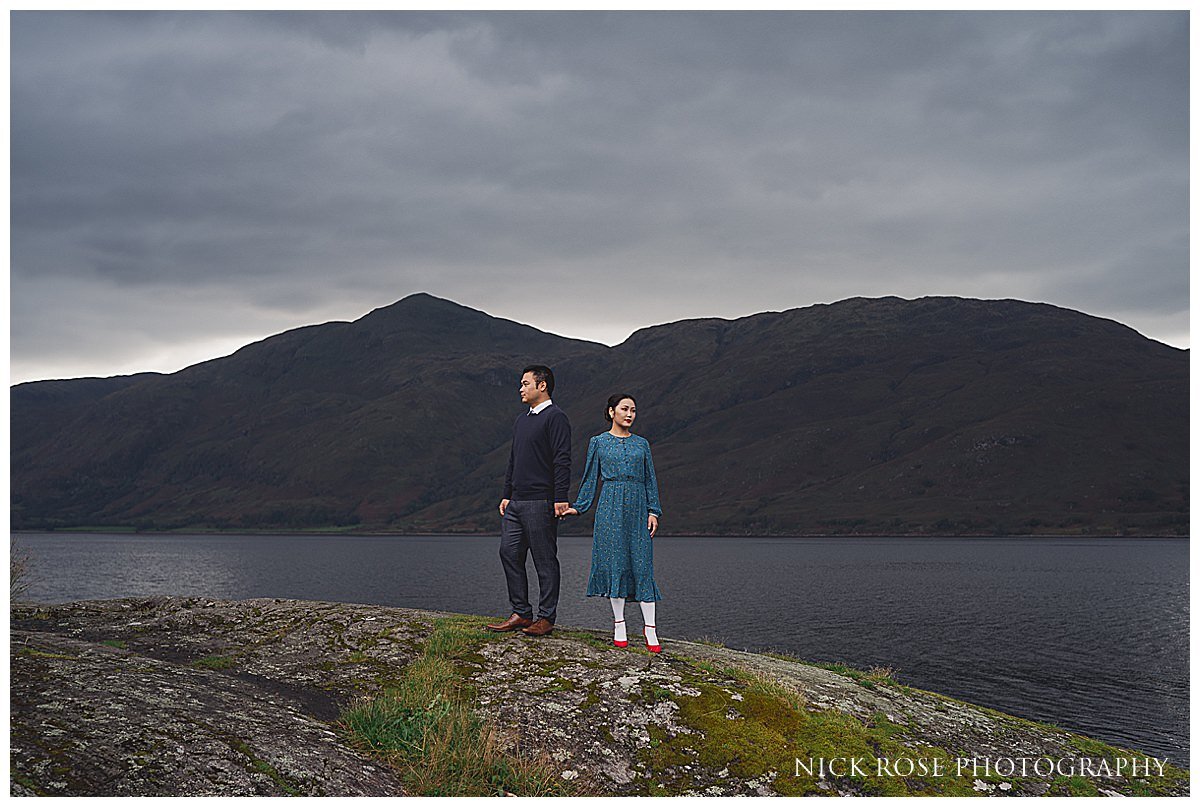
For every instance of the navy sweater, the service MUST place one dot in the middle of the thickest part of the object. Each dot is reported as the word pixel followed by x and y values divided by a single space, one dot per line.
pixel 539 464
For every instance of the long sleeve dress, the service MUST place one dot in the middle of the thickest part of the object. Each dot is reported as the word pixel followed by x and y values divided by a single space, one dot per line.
pixel 622 550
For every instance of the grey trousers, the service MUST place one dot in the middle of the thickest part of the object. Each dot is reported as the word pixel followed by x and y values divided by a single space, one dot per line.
pixel 529 527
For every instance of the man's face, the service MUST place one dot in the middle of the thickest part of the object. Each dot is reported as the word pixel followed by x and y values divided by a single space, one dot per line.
pixel 532 392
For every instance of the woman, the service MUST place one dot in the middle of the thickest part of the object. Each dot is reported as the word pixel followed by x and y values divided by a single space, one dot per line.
pixel 627 514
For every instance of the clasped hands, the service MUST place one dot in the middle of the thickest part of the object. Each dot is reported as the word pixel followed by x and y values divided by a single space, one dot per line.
pixel 563 509
pixel 651 519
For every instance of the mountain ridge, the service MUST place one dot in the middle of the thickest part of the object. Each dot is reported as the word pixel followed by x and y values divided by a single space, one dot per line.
pixel 938 414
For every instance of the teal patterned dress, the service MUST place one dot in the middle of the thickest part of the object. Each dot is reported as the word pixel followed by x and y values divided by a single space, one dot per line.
pixel 622 550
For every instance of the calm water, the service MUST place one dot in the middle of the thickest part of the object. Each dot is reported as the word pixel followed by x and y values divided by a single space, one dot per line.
pixel 1087 633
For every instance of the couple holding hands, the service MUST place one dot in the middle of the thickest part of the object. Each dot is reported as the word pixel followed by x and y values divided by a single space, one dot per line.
pixel 536 489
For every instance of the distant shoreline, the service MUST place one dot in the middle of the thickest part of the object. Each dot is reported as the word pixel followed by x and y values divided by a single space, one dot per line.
pixel 432 534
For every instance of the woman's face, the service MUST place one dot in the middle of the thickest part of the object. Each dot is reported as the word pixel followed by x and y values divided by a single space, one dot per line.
pixel 624 412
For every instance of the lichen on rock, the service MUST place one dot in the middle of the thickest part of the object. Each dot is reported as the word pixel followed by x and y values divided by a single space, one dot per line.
pixel 196 696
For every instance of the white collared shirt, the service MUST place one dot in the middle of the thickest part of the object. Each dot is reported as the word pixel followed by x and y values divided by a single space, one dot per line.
pixel 536 410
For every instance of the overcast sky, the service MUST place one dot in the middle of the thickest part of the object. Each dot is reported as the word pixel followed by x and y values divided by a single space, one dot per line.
pixel 185 183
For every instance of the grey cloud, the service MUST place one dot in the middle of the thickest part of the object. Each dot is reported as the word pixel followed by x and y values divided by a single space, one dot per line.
pixel 718 163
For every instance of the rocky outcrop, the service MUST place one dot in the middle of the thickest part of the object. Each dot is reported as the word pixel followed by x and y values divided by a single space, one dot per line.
pixel 195 696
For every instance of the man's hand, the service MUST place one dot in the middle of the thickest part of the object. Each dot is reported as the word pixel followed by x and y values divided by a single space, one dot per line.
pixel 560 508
pixel 503 505
pixel 652 524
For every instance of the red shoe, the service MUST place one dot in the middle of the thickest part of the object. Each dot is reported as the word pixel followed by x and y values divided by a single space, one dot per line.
pixel 653 648
pixel 624 643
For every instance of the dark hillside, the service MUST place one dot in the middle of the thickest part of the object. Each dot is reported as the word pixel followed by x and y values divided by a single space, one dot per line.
pixel 885 415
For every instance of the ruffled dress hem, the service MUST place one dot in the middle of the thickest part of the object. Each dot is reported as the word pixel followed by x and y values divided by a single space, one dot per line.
pixel 626 588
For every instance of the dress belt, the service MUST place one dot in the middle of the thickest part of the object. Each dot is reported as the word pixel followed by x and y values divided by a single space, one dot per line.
pixel 625 479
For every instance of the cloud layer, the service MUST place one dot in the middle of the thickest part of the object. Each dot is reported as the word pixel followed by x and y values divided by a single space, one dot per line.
pixel 183 183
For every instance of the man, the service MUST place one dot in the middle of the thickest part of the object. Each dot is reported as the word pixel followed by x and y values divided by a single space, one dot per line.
pixel 535 497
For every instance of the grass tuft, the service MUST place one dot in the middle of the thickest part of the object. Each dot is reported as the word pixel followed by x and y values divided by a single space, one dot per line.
pixel 867 679
pixel 425 727
pixel 215 662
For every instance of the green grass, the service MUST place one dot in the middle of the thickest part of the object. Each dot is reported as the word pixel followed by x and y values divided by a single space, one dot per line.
pixel 1072 786
pixel 424 726
pixel 254 763
pixel 768 728
pixel 29 651
pixel 1153 785
pixel 22 779
pixel 215 662
pixel 865 678
pixel 557 685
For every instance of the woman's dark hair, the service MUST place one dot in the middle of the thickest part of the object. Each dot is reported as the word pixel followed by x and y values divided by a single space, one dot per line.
pixel 613 400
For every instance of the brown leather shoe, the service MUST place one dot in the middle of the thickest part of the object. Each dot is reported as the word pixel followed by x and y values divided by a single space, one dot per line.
pixel 512 623
pixel 539 628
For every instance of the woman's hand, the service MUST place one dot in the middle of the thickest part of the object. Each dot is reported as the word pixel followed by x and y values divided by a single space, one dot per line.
pixel 570 511
pixel 652 524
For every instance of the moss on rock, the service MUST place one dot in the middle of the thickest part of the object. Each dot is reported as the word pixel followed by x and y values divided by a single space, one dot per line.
pixel 287 697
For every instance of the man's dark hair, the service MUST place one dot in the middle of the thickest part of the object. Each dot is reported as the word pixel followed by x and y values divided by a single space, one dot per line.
pixel 541 373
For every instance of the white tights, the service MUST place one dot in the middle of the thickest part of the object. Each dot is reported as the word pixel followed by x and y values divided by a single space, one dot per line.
pixel 618 609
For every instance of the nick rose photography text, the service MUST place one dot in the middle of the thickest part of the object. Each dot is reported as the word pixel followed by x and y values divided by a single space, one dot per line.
pixel 1023 767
